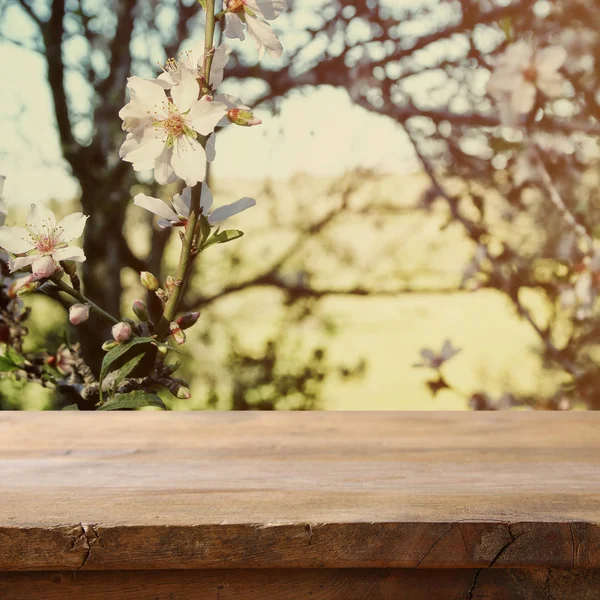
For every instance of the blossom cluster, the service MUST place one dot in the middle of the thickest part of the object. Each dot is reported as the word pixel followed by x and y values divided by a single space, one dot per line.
pixel 170 124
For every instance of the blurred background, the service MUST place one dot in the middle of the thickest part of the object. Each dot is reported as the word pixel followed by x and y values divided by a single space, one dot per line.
pixel 388 230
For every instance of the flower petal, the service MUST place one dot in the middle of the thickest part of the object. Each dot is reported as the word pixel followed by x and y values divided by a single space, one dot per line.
pixel 224 212
pixel 186 93
pixel 271 9
pixel 40 216
pixel 164 223
pixel 264 37
pixel 22 261
pixel 206 198
pixel 220 59
pixel 552 85
pixel 182 202
pixel 205 115
pixel 189 161
pixel 234 28
pixel 72 226
pixel 196 55
pixel 149 147
pixel 549 60
pixel 210 148
pixel 15 240
pixel 147 92
pixel 523 97
pixel 163 171
pixel 155 206
pixel 69 253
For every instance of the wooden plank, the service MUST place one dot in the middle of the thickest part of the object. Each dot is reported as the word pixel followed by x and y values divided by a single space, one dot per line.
pixel 281 490
pixel 296 584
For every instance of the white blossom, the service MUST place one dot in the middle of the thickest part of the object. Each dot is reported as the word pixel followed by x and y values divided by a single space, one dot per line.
pixel 43 237
pixel 255 14
pixel 163 132
pixel 176 213
pixel 192 63
pixel 520 72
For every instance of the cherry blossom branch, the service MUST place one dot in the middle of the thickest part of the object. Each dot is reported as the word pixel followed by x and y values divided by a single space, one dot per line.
pixel 187 250
pixel 557 200
pixel 63 287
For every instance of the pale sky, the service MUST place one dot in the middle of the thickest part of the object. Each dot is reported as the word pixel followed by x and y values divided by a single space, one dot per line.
pixel 319 132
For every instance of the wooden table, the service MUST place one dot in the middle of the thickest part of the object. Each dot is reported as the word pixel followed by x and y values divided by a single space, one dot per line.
pixel 246 506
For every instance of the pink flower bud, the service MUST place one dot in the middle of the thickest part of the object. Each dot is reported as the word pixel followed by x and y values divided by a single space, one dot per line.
pixel 244 118
pixel 140 309
pixel 43 267
pixel 78 313
pixel 186 321
pixel 121 332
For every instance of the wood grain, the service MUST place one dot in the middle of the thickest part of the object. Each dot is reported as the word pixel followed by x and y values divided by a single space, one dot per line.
pixel 288 490
pixel 302 584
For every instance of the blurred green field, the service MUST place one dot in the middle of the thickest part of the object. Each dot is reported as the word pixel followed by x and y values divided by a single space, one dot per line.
pixel 499 350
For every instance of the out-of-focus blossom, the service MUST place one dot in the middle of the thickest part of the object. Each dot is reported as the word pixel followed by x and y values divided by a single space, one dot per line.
pixel 483 401
pixel 192 62
pixel 163 132
pixel 474 268
pixel 64 360
pixel 43 237
pixel 579 44
pixel 121 332
pixel 17 284
pixel 78 313
pixel 526 167
pixel 255 14
pixel 581 294
pixel 434 360
pixel 178 214
pixel 520 72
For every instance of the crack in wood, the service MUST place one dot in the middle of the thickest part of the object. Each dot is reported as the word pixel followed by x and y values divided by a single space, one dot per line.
pixel 452 526
pixel 87 537
pixel 513 539
pixel 572 543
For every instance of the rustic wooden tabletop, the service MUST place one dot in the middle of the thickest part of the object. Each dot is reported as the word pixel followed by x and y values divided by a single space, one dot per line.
pixel 173 499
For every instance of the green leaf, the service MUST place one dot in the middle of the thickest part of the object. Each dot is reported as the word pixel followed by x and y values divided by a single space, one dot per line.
pixel 223 237
pixel 119 351
pixel 71 407
pixel 202 3
pixel 7 365
pixel 10 359
pixel 137 399
pixel 204 230
pixel 123 371
pixel 15 357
